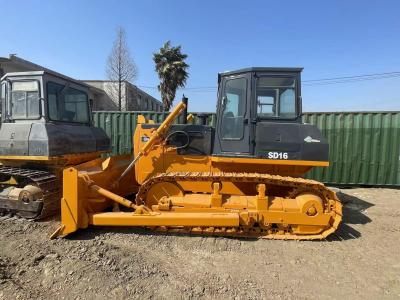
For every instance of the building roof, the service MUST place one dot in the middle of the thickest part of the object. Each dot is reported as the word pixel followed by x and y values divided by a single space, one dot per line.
pixel 35 69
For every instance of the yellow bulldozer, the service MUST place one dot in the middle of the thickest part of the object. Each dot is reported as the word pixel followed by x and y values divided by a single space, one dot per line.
pixel 241 178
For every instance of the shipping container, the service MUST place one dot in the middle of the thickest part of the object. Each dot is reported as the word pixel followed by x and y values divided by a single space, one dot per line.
pixel 120 126
pixel 364 146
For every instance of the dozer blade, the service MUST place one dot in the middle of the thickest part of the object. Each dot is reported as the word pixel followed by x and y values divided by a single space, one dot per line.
pixel 79 199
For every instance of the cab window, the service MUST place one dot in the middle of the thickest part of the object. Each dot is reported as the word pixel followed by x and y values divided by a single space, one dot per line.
pixel 67 104
pixel 276 97
pixel 24 100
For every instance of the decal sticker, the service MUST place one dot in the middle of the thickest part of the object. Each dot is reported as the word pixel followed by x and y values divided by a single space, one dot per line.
pixel 309 139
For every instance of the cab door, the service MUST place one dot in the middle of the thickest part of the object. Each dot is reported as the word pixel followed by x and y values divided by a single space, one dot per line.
pixel 233 132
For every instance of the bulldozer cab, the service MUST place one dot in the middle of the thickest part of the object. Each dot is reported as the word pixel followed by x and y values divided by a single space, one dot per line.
pixel 259 112
pixel 42 111
pixel 43 97
pixel 258 116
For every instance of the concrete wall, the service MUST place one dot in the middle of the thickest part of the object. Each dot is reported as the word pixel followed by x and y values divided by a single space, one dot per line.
pixel 101 101
pixel 140 100
pixel 133 98
pixel 106 95
pixel 147 102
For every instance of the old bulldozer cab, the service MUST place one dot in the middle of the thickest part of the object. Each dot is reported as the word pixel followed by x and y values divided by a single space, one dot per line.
pixel 250 98
pixel 42 111
pixel 43 96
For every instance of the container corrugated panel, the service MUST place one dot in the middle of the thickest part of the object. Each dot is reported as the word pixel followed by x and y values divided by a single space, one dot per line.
pixel 364 148
pixel 120 126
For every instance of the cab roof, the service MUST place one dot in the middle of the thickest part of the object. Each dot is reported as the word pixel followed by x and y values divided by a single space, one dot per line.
pixel 261 69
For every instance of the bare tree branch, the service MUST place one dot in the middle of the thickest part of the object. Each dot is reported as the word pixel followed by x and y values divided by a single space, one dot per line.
pixel 120 67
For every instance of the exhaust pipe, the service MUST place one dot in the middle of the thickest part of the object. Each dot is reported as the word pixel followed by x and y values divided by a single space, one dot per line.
pixel 185 111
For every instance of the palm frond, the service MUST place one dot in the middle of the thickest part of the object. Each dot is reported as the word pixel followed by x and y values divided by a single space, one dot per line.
pixel 171 68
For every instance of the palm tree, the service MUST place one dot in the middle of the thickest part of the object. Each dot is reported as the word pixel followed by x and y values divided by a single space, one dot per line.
pixel 172 71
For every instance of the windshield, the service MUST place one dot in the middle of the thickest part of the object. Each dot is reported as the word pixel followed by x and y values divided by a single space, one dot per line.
pixel 276 97
pixel 25 100
pixel 67 104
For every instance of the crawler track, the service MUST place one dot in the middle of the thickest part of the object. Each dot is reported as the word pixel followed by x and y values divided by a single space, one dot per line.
pixel 291 187
pixel 46 181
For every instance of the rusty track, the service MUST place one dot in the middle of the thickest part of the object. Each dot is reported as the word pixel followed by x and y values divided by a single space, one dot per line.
pixel 291 184
pixel 46 181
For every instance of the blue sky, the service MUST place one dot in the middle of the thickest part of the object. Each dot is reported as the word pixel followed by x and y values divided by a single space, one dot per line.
pixel 327 38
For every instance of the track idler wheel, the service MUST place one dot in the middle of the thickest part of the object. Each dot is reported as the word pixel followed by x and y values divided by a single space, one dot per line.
pixel 160 193
pixel 28 198
pixel 310 204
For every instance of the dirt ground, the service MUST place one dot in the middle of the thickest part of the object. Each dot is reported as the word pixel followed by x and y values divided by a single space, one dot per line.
pixel 360 261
